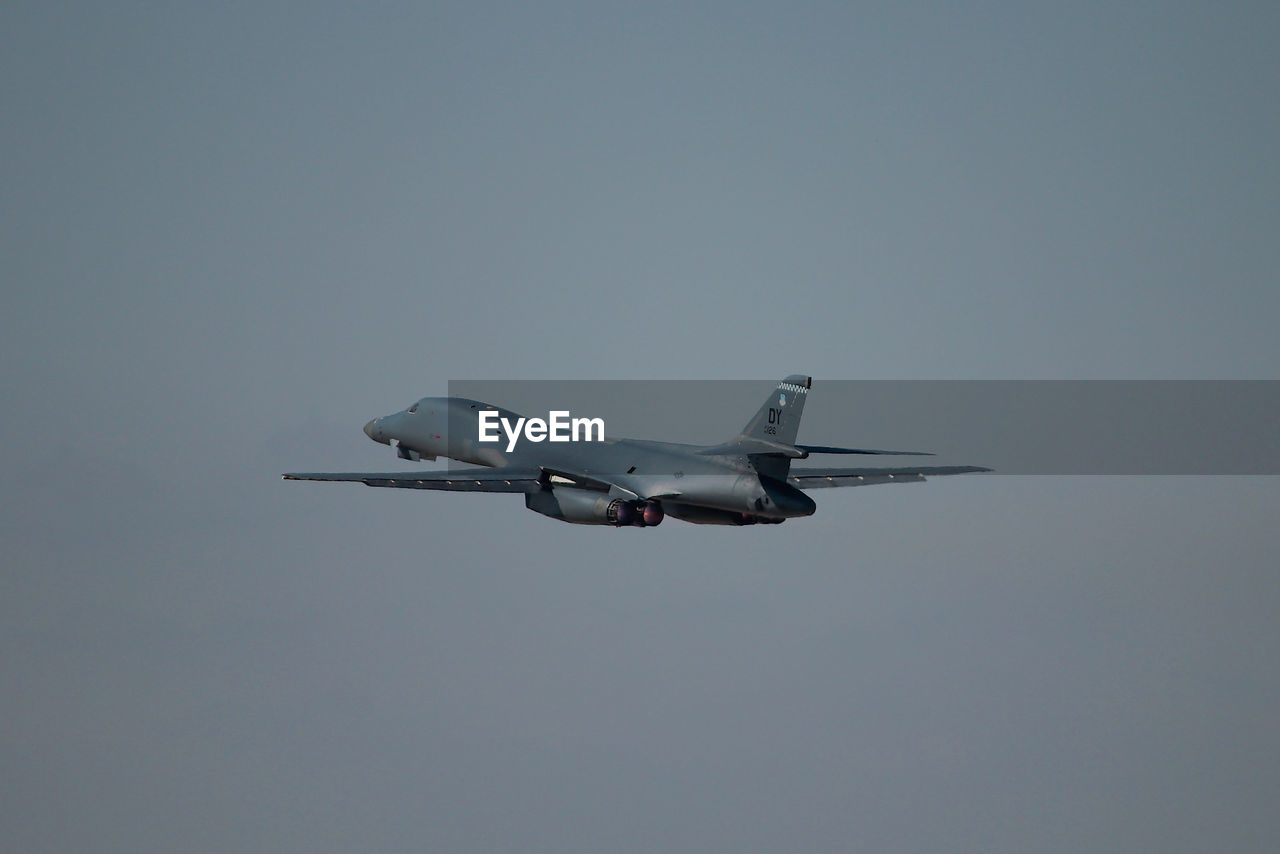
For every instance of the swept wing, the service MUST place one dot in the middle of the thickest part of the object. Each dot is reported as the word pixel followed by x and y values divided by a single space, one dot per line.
pixel 822 478
pixel 449 480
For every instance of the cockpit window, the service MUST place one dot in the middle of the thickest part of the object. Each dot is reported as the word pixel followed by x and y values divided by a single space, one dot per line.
pixel 413 408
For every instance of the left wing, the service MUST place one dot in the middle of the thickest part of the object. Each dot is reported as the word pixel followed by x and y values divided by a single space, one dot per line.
pixel 455 480
pixel 819 478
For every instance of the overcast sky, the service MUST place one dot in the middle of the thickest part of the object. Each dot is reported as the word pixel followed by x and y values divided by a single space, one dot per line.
pixel 234 232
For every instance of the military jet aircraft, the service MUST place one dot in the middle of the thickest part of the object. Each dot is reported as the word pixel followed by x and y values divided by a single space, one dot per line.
pixel 628 482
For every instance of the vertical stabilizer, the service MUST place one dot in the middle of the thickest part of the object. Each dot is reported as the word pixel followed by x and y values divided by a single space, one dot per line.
pixel 779 418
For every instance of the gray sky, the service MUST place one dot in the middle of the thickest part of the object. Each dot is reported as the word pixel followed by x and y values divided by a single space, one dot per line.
pixel 234 232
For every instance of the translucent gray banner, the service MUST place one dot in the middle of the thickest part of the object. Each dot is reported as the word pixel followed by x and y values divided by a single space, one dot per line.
pixel 1044 427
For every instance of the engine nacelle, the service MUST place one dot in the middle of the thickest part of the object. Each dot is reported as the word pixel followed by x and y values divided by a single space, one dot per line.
pixel 589 507
pixel 711 516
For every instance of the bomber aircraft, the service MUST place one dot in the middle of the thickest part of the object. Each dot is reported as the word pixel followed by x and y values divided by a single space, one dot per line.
pixel 627 482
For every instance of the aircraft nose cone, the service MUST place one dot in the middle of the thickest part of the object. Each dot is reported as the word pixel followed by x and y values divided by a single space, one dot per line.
pixel 371 430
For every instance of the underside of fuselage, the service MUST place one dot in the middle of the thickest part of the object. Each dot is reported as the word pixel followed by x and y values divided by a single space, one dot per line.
pixel 584 506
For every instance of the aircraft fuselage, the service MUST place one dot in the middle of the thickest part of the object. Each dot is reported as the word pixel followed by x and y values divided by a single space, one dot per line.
pixel 690 482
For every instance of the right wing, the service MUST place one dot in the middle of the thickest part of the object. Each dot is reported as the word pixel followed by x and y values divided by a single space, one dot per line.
pixel 455 480
pixel 819 478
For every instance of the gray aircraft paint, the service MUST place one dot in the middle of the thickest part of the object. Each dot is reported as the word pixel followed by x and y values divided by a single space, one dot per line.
pixel 622 482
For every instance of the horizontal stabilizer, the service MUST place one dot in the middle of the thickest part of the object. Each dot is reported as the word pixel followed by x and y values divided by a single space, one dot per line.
pixel 826 449
pixel 748 445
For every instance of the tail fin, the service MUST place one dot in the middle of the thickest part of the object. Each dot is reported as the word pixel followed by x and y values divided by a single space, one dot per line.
pixel 779 418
